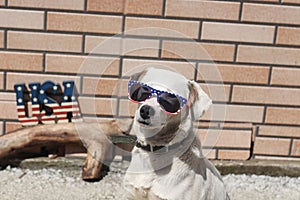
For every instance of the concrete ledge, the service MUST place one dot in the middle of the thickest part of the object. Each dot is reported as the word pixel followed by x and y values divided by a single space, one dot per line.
pixel 258 167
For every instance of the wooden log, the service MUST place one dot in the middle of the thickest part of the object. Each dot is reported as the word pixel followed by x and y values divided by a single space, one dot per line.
pixel 95 137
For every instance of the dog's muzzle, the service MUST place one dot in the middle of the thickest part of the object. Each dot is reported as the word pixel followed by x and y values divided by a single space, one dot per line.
pixel 146 112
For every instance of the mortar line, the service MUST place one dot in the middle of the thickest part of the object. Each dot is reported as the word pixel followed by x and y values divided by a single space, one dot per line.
pixel 241 10
pixel 3 127
pixel 85 6
pixel 291 146
pixel 4 80
pixel 164 8
pixel 264 114
pixel 45 20
pixel 270 75
pixel 5 39
pixel 235 52
pixel 160 49
pixel 196 71
pixel 44 62
pixel 275 34
pixel 83 43
pixel 200 30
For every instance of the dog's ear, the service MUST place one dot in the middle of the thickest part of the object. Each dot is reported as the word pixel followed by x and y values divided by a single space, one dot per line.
pixel 200 102
pixel 137 76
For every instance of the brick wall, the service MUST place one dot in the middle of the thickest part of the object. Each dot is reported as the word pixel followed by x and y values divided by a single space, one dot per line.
pixel 255 47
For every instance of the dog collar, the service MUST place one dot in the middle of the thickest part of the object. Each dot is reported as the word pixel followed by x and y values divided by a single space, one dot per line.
pixel 161 149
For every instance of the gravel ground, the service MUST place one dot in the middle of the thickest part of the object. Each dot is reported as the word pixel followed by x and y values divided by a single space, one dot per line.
pixel 46 184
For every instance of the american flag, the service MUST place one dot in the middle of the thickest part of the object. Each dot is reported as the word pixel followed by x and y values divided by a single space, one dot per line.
pixel 37 108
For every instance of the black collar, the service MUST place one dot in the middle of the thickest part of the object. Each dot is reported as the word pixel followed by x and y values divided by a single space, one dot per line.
pixel 149 147
pixel 163 149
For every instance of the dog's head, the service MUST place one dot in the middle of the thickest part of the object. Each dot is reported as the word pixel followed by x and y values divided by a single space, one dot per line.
pixel 166 101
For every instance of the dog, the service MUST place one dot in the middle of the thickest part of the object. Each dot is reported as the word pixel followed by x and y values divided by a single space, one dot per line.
pixel 167 160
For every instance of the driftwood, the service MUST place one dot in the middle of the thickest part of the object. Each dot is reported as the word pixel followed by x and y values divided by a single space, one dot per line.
pixel 47 139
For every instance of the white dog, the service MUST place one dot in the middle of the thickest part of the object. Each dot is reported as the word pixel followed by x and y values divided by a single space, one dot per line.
pixel 167 161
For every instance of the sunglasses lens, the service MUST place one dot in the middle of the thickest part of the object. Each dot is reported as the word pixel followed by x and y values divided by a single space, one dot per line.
pixel 169 102
pixel 139 92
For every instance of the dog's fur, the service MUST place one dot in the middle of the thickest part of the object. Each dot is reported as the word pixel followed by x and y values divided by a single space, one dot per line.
pixel 182 173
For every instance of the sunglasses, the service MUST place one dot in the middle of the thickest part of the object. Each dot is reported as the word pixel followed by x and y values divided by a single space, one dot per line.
pixel 169 102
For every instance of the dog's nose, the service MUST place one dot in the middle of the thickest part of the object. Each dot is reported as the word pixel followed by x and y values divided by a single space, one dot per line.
pixel 146 111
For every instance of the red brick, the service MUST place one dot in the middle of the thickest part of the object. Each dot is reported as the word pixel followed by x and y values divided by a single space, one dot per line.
pixel 203 9
pixel 274 1
pixel 268 55
pixel 52 4
pixel 197 51
pixel 280 131
pixel 285 76
pixel 142 7
pixel 1 80
pixel 162 27
pixel 266 95
pixel 227 125
pixel 15 78
pixel 82 64
pixel 1 128
pixel 140 47
pixel 8 110
pixel 233 73
pixel 271 13
pixel 21 61
pixel 123 88
pixel 97 106
pixel 276 115
pixel 12 126
pixel 1 39
pixel 94 119
pixel 225 138
pixel 235 113
pixel 118 46
pixel 217 92
pixel 134 65
pixel 151 7
pixel 5 96
pixel 11 18
pixel 84 23
pixel 209 153
pixel 291 1
pixel 296 148
pixel 271 146
pixel 100 86
pixel 127 108
pixel 44 41
pixel 116 6
pixel 233 154
pixel 288 36
pixel 277 158
pixel 237 32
